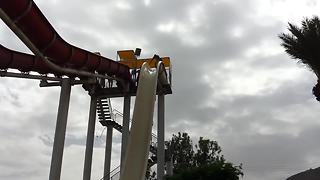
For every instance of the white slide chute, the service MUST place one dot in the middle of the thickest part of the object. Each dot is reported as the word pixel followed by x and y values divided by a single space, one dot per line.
pixel 137 151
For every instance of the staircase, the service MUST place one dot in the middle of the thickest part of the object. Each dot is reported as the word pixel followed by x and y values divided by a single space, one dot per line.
pixel 108 117
pixel 105 114
pixel 104 109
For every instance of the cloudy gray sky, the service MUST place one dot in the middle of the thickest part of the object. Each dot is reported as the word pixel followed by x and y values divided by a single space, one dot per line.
pixel 232 83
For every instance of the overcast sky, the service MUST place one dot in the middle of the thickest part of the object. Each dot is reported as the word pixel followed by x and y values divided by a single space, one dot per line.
pixel 232 82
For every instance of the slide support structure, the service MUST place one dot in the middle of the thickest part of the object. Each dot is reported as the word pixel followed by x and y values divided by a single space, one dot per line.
pixel 137 151
pixel 107 160
pixel 160 135
pixel 125 127
pixel 169 168
pixel 59 137
pixel 54 55
pixel 90 139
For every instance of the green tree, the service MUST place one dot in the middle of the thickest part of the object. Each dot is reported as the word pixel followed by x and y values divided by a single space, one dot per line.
pixel 206 162
pixel 181 151
pixel 207 151
pixel 303 43
pixel 213 171
pixel 150 175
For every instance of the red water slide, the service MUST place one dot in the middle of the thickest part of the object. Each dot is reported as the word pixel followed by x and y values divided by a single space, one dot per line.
pixel 22 61
pixel 29 19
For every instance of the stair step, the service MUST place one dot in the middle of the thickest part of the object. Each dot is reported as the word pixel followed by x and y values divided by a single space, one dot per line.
pixel 104 116
pixel 104 119
pixel 111 123
pixel 107 122
pixel 104 113
pixel 103 110
pixel 103 102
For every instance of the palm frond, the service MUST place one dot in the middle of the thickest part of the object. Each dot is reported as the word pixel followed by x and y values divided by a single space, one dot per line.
pixel 316 90
pixel 303 43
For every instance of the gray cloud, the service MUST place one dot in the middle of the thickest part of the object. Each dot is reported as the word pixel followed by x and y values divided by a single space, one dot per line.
pixel 231 82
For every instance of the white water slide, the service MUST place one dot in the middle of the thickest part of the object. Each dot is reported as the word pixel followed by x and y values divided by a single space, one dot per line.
pixel 136 157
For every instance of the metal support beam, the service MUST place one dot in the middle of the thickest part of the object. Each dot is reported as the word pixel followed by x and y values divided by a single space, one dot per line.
pixel 59 137
pixel 107 160
pixel 169 167
pixel 27 76
pixel 45 83
pixel 90 139
pixel 160 135
pixel 125 126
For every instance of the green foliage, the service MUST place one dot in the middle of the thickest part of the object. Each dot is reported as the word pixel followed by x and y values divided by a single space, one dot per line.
pixel 181 151
pixel 304 44
pixel 214 171
pixel 206 162
pixel 207 151
pixel 150 175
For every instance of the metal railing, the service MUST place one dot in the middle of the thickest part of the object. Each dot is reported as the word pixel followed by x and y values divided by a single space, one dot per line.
pixel 114 174
pixel 115 113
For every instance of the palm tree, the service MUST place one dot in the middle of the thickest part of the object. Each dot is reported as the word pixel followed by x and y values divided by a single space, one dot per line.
pixel 304 44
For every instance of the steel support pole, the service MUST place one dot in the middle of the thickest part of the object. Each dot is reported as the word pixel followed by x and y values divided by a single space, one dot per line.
pixel 125 126
pixel 160 135
pixel 59 137
pixel 169 168
pixel 90 139
pixel 107 160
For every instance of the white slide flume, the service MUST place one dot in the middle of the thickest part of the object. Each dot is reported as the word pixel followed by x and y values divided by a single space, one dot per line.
pixel 137 151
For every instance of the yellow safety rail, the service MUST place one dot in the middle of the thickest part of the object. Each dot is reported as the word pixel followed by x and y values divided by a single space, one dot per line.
pixel 127 57
pixel 136 64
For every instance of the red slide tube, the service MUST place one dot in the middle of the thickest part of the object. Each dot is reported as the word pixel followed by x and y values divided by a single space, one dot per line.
pixel 22 61
pixel 28 17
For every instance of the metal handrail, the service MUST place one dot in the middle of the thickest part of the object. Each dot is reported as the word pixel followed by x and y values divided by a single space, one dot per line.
pixel 115 112
pixel 111 178
pixel 118 167
pixel 120 114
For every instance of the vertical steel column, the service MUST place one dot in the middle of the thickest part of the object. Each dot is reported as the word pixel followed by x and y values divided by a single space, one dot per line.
pixel 125 126
pixel 160 135
pixel 59 137
pixel 107 160
pixel 169 168
pixel 90 139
